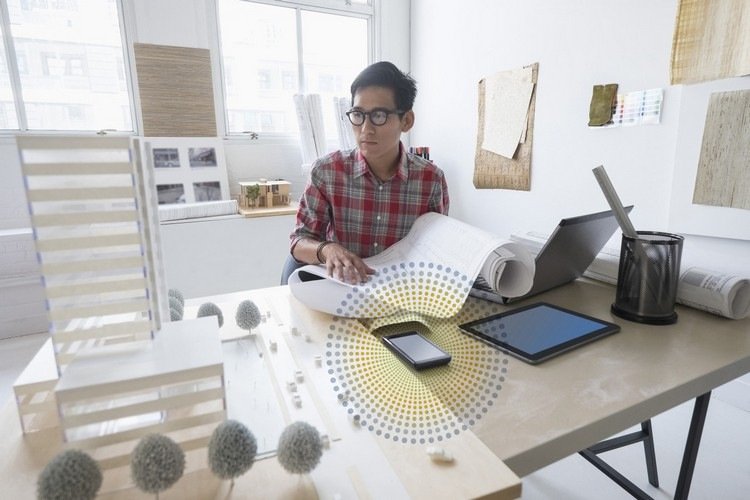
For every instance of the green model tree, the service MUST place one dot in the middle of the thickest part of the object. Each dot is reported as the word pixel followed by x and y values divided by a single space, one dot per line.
pixel 252 193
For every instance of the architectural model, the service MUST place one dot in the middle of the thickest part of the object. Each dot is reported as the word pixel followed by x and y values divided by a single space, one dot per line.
pixel 264 193
pixel 112 372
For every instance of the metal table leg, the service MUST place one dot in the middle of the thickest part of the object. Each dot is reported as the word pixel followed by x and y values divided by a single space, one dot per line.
pixel 691 446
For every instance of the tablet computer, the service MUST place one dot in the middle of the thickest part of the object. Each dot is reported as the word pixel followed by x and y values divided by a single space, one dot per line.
pixel 539 331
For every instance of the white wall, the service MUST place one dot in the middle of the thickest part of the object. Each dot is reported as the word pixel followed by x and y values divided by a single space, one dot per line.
pixel 577 45
pixel 226 255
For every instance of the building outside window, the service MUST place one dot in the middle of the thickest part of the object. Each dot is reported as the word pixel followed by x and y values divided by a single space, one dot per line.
pixel 274 49
pixel 66 66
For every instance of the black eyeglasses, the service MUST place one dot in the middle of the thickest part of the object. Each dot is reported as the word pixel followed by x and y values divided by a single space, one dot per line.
pixel 377 116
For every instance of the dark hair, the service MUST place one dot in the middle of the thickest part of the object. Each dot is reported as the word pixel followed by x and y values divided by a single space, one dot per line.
pixel 386 74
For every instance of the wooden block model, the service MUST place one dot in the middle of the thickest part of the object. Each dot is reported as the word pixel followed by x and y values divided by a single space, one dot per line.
pixel 264 193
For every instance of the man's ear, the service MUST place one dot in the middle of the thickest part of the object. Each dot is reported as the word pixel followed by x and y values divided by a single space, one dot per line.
pixel 407 122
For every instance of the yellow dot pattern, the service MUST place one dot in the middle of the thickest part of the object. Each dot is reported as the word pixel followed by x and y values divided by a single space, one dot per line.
pixel 398 403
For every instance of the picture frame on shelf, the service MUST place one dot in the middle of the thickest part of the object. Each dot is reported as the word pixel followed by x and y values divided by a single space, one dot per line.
pixel 202 157
pixel 170 193
pixel 187 169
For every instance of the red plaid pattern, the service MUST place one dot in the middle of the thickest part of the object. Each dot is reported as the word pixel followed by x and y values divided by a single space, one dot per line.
pixel 344 202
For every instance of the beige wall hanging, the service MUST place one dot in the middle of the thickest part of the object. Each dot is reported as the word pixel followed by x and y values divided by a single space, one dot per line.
pixel 711 40
pixel 506 129
pixel 723 177
pixel 176 91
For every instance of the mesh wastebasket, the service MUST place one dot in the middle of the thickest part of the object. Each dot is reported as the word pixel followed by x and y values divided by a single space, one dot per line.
pixel 647 277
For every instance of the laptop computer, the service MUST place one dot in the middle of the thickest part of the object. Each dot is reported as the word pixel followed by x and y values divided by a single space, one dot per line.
pixel 565 256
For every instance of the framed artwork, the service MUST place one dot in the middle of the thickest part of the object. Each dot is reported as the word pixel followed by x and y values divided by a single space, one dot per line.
pixel 187 169
pixel 170 193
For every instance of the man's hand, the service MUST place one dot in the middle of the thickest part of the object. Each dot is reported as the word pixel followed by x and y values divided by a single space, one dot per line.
pixel 344 265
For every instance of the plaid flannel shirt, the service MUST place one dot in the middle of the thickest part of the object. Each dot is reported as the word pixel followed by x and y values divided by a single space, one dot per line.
pixel 346 203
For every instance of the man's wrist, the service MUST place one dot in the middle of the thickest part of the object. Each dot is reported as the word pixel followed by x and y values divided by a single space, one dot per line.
pixel 319 251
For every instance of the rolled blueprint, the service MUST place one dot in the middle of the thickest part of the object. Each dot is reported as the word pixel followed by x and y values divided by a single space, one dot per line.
pixel 718 293
pixel 429 272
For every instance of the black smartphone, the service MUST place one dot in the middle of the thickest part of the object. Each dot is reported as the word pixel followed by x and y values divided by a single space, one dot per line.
pixel 416 350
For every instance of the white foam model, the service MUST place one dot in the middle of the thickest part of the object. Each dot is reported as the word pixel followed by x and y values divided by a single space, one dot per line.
pixel 112 372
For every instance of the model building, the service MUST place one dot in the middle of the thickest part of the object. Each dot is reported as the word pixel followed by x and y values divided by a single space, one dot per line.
pixel 264 193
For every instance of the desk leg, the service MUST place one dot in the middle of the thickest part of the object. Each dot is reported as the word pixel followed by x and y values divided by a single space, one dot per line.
pixel 646 436
pixel 691 446
pixel 648 450
pixel 615 476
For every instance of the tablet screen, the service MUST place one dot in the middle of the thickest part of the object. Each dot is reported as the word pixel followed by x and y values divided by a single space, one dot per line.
pixel 539 331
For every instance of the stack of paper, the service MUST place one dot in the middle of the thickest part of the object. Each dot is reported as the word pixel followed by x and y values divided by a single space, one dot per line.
pixel 315 112
pixel 306 137
pixel 311 129
pixel 344 127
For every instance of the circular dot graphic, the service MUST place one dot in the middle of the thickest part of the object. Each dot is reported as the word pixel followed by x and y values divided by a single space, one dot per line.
pixel 395 401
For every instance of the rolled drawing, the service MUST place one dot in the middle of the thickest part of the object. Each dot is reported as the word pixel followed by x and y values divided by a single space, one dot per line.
pixel 614 202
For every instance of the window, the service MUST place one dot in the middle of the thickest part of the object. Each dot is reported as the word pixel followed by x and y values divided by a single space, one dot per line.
pixel 66 68
pixel 273 50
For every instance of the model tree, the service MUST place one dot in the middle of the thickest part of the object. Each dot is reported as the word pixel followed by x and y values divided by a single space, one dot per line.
pixel 176 309
pixel 176 304
pixel 252 193
pixel 173 292
pixel 248 315
pixel 231 450
pixel 211 309
pixel 71 475
pixel 157 462
pixel 174 314
pixel 300 448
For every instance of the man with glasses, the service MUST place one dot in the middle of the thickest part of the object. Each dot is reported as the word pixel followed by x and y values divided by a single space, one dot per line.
pixel 357 203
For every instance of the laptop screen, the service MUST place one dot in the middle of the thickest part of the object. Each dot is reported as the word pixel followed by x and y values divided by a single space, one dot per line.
pixel 572 248
pixel 565 256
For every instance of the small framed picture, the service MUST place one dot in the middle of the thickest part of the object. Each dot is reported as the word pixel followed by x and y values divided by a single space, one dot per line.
pixel 170 193
pixel 166 158
pixel 207 191
pixel 202 157
pixel 187 169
